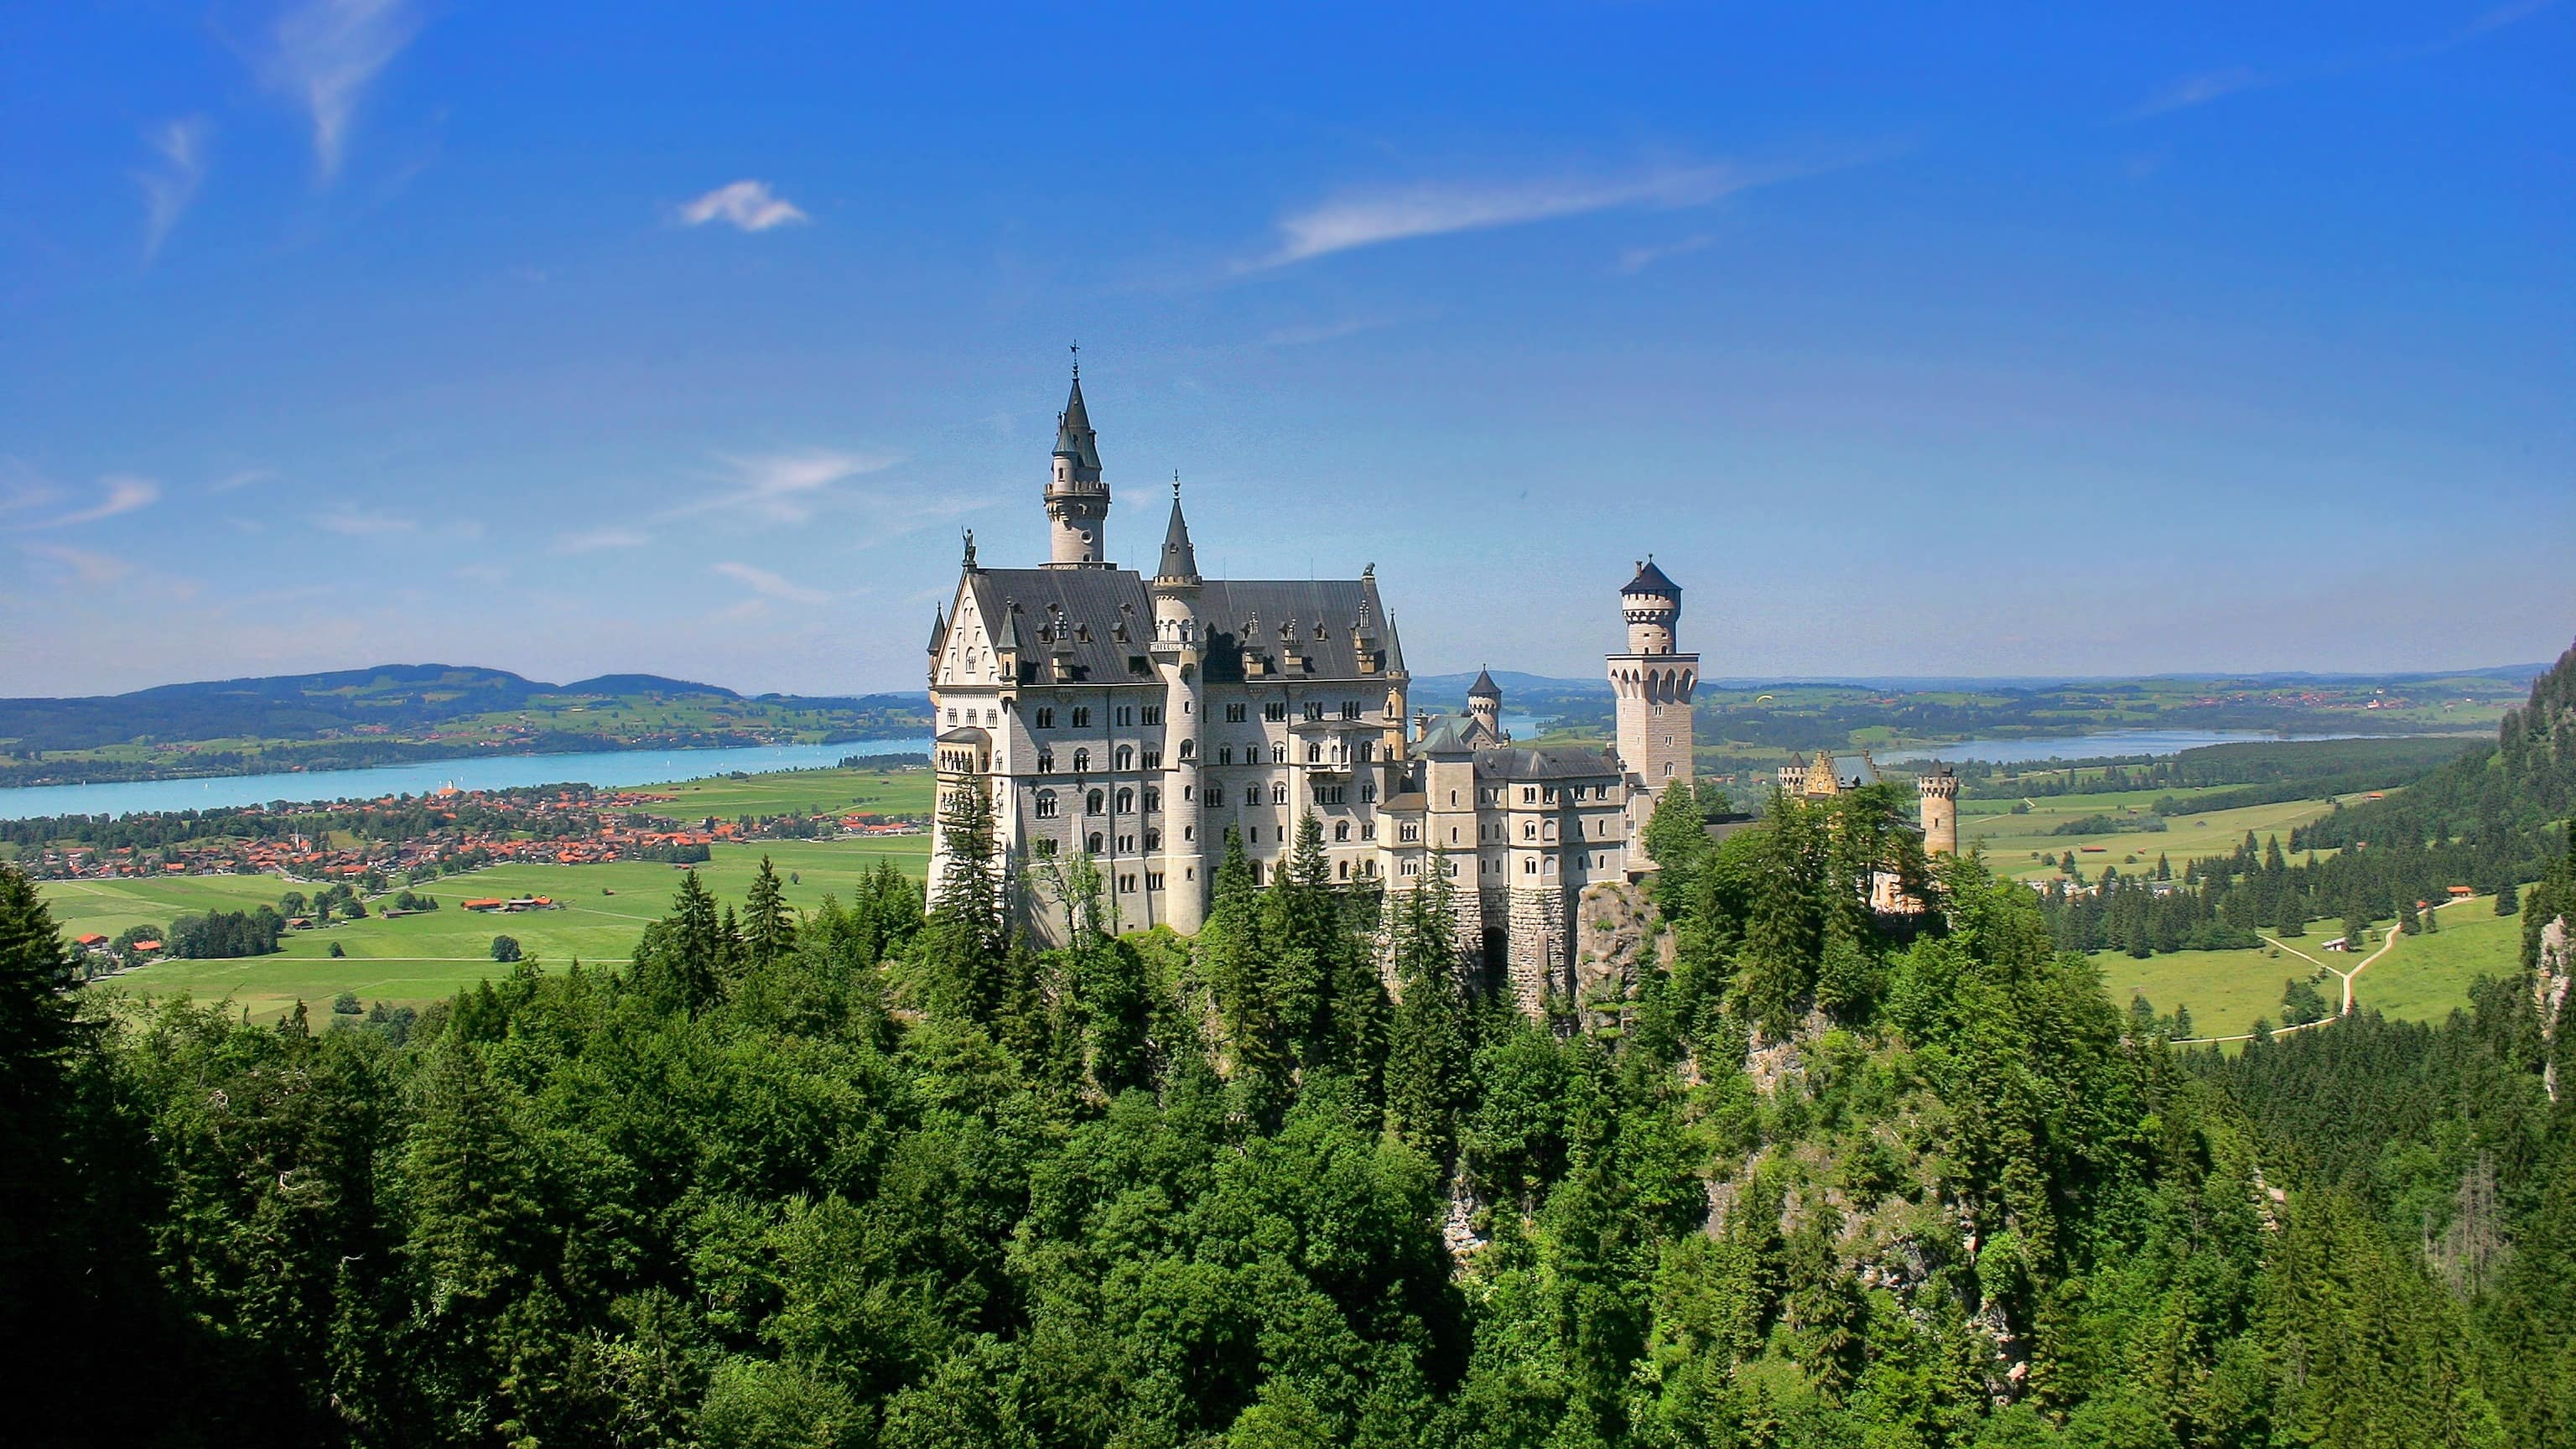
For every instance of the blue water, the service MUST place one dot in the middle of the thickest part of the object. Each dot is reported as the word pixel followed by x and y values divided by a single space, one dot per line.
pixel 606 769
pixel 2040 749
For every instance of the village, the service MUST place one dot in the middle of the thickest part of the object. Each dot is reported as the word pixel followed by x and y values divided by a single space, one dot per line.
pixel 373 845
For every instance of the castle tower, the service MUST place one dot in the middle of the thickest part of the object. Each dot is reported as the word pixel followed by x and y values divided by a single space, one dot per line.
pixel 1653 681
pixel 1077 502
pixel 1940 790
pixel 1485 705
pixel 1177 657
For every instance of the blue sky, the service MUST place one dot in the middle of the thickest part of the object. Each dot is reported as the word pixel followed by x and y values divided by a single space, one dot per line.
pixel 1938 340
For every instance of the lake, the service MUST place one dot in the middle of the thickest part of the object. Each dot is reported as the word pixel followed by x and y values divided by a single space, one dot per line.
pixel 2042 748
pixel 607 769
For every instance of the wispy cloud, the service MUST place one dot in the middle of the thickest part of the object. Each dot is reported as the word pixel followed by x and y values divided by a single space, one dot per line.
pixel 2202 88
pixel 1633 260
pixel 169 186
pixel 88 567
pixel 1370 218
pixel 600 538
pixel 355 523
pixel 240 478
pixel 780 487
pixel 325 53
pixel 767 584
pixel 118 493
pixel 749 205
pixel 1307 334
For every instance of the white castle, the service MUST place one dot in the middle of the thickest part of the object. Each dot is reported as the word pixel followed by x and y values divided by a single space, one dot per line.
pixel 1134 717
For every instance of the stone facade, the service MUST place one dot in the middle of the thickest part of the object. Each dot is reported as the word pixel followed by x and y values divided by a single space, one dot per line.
pixel 1136 717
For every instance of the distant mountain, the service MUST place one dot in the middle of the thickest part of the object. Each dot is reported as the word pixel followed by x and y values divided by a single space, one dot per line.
pixel 638 684
pixel 1512 682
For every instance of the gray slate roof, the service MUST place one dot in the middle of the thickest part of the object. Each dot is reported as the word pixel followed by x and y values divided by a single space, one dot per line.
pixel 1521 763
pixel 1651 580
pixel 1073 435
pixel 1484 687
pixel 1094 597
pixel 1180 561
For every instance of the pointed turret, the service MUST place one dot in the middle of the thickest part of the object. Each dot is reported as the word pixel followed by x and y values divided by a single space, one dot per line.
pixel 938 629
pixel 1485 707
pixel 1077 502
pixel 1484 687
pixel 1180 561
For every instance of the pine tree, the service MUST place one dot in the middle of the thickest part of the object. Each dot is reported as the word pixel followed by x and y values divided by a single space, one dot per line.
pixel 682 957
pixel 769 922
pixel 960 962
pixel 1427 1050
pixel 1233 952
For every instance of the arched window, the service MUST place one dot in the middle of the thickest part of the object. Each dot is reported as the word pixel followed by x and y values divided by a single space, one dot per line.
pixel 1091 803
pixel 1314 753
pixel 1082 762
pixel 1046 804
pixel 1256 872
pixel 1368 751
pixel 1345 871
pixel 1188 749
pixel 1279 793
pixel 1126 802
pixel 1341 830
pixel 1126 757
pixel 1279 754
pixel 1153 799
pixel 1093 844
pixel 1046 762
pixel 1153 840
pixel 1251 794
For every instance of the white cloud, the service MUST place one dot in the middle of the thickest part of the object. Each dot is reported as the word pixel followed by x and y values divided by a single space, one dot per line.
pixel 324 55
pixel 2200 90
pixel 118 493
pixel 781 487
pixel 240 478
pixel 1368 218
pixel 169 187
pixel 351 523
pixel 1308 334
pixel 769 585
pixel 600 538
pixel 750 205
pixel 88 567
pixel 1633 260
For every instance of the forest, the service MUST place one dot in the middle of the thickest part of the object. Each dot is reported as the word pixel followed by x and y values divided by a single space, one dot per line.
pixel 880 1176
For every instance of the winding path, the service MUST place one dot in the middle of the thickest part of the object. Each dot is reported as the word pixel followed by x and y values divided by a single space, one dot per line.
pixel 2347 977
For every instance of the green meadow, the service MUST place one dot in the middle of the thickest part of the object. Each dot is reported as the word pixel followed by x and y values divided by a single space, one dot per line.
pixel 2424 978
pixel 2015 843
pixel 423 958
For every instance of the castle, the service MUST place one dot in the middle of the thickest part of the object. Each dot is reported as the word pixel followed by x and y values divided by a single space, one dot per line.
pixel 1134 717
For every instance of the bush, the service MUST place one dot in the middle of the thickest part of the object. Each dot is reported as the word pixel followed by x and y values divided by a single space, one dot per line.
pixel 505 949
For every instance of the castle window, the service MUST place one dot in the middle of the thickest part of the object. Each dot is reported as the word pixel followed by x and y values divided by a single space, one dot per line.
pixel 1234 714
pixel 1256 872
pixel 1153 758
pixel 1409 833
pixel 1668 769
pixel 1189 749
pixel 1126 802
pixel 1530 866
pixel 1126 714
pixel 1350 709
pixel 1551 830
pixel 1153 840
pixel 1094 843
pixel 1315 710
pixel 1225 754
pixel 1153 880
pixel 1046 718
pixel 1126 757
pixel 1368 830
pixel 1529 794
pixel 1453 797
pixel 952 716
pixel 1082 716
pixel 1082 762
pixel 1276 711
pixel 1279 793
pixel 1091 803
pixel 1550 868
pixel 1151 714
pixel 1279 754
pixel 1368 794
pixel 1189 792
pixel 1367 751
pixel 1341 830
pixel 1529 830
pixel 1314 753
pixel 1126 885
pixel 1413 867
pixel 1046 805
pixel 1045 848
pixel 1138 664
pixel 1453 835
pixel 1188 834
pixel 1251 794
pixel 1126 845
pixel 1153 799
pixel 1345 870
pixel 1046 762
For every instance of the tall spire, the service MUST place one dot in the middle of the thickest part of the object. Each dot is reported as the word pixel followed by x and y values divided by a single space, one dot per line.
pixel 1077 501
pixel 1074 438
pixel 1180 561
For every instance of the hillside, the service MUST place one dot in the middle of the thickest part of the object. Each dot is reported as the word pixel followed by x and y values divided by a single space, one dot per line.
pixel 399 712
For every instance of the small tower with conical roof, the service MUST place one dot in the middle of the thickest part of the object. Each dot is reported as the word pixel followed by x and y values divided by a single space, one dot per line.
pixel 1485 706
pixel 1653 681
pixel 1178 659
pixel 1077 502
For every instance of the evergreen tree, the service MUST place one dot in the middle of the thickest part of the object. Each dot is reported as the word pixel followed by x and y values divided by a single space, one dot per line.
pixel 769 923
pixel 1427 1050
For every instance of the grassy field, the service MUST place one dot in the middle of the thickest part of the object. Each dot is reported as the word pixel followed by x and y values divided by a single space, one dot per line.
pixel 428 957
pixel 2015 843
pixel 2424 979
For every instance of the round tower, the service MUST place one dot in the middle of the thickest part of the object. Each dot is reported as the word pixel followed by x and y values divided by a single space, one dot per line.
pixel 1485 704
pixel 1178 658
pixel 1652 604
pixel 1077 502
pixel 1940 789
pixel 1653 681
